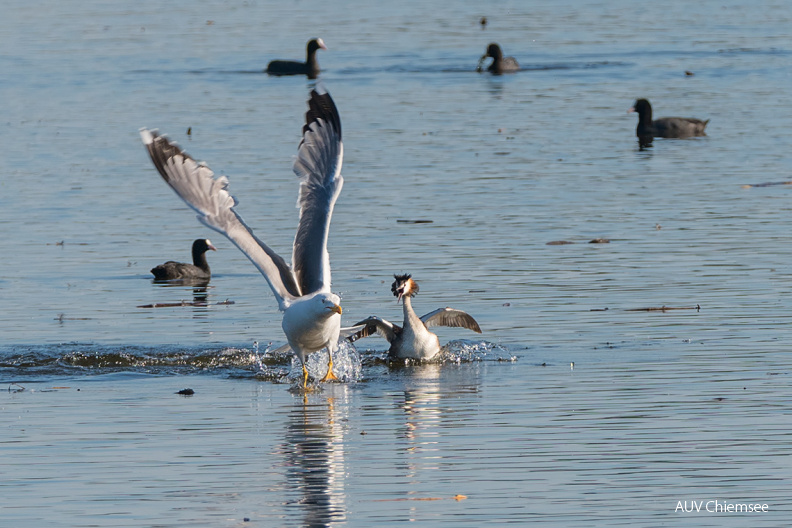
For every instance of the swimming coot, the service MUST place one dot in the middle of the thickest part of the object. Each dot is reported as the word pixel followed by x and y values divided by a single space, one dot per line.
pixel 500 64
pixel 198 270
pixel 310 67
pixel 665 127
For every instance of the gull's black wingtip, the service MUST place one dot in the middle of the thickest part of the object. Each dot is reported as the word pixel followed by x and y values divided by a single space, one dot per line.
pixel 161 149
pixel 321 106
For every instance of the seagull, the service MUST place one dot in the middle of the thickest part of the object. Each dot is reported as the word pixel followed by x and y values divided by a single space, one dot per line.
pixel 414 340
pixel 311 312
pixel 198 270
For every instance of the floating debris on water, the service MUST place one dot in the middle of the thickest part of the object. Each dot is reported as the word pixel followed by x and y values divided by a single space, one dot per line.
pixel 566 242
pixel 766 184
pixel 652 309
pixel 186 303
pixel 663 308
pixel 458 497
pixel 62 317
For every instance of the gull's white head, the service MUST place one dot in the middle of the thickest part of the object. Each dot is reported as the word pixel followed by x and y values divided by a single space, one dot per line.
pixel 330 303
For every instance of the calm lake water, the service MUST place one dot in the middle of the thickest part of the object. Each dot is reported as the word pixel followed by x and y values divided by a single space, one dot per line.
pixel 581 404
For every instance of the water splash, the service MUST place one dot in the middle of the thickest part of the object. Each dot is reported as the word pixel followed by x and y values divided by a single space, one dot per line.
pixel 459 351
pixel 463 351
pixel 347 364
pixel 77 358
pixel 269 365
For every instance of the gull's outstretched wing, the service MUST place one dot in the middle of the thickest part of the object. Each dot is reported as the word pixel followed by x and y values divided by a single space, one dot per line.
pixel 195 184
pixel 451 317
pixel 318 165
pixel 375 325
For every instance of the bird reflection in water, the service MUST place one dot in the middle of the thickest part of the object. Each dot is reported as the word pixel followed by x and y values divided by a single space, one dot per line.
pixel 421 406
pixel 315 455
pixel 645 142
pixel 429 415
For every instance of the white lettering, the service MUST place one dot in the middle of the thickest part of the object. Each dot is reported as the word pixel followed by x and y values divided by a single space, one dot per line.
pixel 716 506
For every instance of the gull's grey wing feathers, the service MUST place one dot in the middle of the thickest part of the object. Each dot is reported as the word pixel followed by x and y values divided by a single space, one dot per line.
pixel 348 332
pixel 318 166
pixel 195 184
pixel 283 349
pixel 451 317
pixel 375 325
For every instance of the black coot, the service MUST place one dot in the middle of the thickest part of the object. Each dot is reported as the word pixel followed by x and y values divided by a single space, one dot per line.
pixel 665 127
pixel 198 270
pixel 310 67
pixel 500 64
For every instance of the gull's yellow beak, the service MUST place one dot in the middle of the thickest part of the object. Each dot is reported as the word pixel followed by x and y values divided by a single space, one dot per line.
pixel 337 309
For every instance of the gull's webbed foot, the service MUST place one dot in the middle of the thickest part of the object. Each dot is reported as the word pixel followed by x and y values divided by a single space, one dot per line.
pixel 329 376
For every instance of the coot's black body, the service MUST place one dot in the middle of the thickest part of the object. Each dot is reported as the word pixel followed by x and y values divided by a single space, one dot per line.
pixel 665 127
pixel 499 64
pixel 310 67
pixel 198 270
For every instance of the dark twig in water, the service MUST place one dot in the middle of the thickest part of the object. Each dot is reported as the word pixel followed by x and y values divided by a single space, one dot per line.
pixel 653 309
pixel 62 243
pixel 414 221
pixel 62 317
pixel 766 184
pixel 664 308
pixel 186 303
pixel 20 389
pixel 565 242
